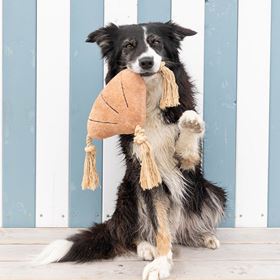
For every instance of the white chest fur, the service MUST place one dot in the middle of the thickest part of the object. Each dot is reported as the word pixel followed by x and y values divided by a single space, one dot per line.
pixel 162 138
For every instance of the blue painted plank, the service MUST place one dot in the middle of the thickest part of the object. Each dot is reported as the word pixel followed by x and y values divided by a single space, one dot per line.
pixel 19 89
pixel 156 10
pixel 274 135
pixel 86 81
pixel 220 97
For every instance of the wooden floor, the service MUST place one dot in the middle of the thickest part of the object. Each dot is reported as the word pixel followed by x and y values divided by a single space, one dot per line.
pixel 244 254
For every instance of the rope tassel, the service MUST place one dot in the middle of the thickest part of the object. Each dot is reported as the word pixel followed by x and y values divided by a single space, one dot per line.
pixel 100 125
pixel 90 177
pixel 149 174
pixel 170 96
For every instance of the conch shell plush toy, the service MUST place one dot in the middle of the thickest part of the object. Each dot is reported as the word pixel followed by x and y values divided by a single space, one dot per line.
pixel 120 108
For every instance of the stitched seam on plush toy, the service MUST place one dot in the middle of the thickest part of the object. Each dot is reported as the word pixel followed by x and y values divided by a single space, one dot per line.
pixel 109 104
pixel 124 95
pixel 101 121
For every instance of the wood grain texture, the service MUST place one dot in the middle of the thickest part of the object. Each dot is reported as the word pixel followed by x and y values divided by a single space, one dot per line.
pixel 52 113
pixel 253 76
pixel 113 169
pixel 274 119
pixel 86 81
pixel 192 51
pixel 19 111
pixel 1 108
pixel 219 97
pixel 227 252
pixel 247 254
pixel 193 270
pixel 225 235
pixel 33 236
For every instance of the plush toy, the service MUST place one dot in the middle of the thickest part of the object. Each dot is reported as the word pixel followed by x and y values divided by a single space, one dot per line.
pixel 120 108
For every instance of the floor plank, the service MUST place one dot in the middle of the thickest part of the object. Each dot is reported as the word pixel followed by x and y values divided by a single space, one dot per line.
pixel 33 235
pixel 249 235
pixel 245 254
pixel 46 235
pixel 192 270
pixel 226 252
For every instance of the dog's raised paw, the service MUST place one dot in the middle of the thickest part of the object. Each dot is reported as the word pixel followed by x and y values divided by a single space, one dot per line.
pixel 211 242
pixel 192 121
pixel 146 251
pixel 159 268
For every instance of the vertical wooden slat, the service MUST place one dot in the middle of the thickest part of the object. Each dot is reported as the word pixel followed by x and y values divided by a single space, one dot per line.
pixel 220 97
pixel 86 81
pixel 112 161
pixel 156 10
pixel 53 43
pixel 252 113
pixel 1 108
pixel 19 87
pixel 274 136
pixel 192 53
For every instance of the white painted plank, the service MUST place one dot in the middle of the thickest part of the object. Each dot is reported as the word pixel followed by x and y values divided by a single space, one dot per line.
pixel 1 107
pixel 34 235
pixel 249 235
pixel 230 262
pixel 19 253
pixel 11 236
pixel 227 252
pixel 121 270
pixel 190 14
pixel 53 44
pixel 254 22
pixel 22 253
pixel 119 12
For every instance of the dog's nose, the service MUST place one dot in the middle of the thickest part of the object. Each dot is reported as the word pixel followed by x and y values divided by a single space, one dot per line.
pixel 146 63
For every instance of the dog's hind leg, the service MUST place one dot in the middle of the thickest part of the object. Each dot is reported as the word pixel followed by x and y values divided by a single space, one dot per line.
pixel 201 216
pixel 161 266
pixel 210 241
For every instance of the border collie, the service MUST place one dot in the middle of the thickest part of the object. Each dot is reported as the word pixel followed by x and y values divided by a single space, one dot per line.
pixel 186 208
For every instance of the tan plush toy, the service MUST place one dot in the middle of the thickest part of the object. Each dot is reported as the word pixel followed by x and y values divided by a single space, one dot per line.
pixel 120 108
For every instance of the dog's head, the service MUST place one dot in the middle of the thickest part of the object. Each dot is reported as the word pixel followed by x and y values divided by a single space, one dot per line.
pixel 140 47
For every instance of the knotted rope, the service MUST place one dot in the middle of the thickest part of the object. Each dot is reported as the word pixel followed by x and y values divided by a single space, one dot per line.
pixel 149 174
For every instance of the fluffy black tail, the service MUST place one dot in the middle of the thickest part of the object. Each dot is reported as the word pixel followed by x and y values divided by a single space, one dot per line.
pixel 93 244
pixel 113 238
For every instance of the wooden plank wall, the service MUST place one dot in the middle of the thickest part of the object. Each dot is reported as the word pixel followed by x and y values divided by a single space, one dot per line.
pixel 51 76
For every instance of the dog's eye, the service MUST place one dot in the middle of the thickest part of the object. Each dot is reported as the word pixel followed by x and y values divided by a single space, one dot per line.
pixel 129 46
pixel 155 42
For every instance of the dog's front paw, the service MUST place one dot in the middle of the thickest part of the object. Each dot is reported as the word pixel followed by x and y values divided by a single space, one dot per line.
pixel 192 121
pixel 159 268
pixel 146 251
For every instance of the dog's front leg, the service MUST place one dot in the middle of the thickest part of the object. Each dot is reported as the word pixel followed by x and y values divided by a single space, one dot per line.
pixel 161 266
pixel 192 130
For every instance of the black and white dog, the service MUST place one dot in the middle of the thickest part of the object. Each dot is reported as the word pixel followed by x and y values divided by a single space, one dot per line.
pixel 186 208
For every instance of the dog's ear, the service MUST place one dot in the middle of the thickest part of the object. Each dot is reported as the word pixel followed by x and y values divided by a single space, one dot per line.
pixel 180 32
pixel 104 37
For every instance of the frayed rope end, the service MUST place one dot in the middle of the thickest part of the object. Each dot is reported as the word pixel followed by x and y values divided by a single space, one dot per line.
pixel 170 96
pixel 90 177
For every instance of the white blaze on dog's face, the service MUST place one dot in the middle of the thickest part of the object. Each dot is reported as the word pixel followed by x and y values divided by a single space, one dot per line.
pixel 148 62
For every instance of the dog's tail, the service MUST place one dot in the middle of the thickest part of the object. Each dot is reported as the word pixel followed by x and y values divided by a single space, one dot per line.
pixel 96 243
